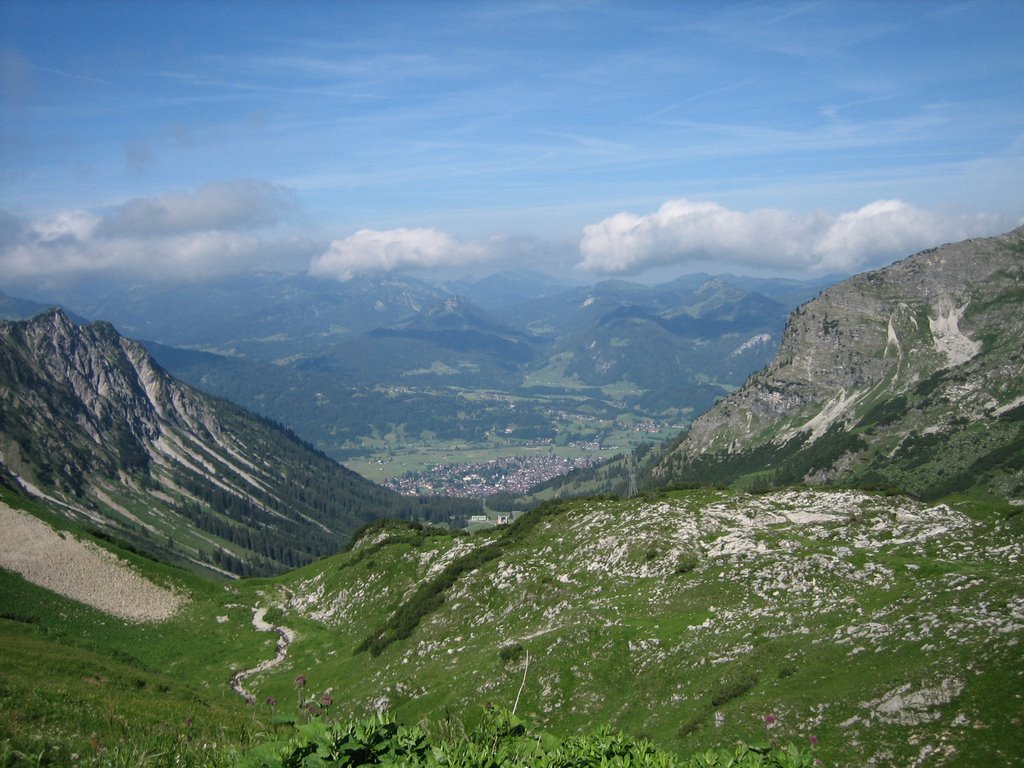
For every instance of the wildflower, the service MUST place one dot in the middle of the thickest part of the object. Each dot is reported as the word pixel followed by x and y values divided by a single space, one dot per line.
pixel 271 702
pixel 300 681
pixel 326 700
pixel 812 740
pixel 769 720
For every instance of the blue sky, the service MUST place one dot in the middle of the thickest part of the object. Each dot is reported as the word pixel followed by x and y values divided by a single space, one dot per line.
pixel 172 140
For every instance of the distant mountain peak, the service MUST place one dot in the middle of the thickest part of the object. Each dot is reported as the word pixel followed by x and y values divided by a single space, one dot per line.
pixel 454 304
pixel 456 312
pixel 714 284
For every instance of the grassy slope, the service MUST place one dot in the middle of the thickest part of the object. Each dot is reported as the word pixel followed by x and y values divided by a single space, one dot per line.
pixel 824 625
pixel 74 680
pixel 686 618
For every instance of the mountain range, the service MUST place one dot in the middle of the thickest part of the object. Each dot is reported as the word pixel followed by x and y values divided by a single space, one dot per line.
pixel 344 364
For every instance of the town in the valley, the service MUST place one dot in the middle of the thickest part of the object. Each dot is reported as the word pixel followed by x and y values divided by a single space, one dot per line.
pixel 509 474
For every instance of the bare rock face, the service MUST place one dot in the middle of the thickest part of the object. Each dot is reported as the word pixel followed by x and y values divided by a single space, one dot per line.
pixel 113 379
pixel 930 345
pixel 97 401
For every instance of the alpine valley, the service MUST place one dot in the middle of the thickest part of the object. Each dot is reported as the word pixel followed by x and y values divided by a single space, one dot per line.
pixel 827 565
pixel 393 374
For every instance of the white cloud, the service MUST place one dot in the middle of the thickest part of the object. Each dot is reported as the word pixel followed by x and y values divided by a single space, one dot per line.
pixel 370 250
pixel 213 231
pixel 242 204
pixel 65 226
pixel 685 233
pixel 880 228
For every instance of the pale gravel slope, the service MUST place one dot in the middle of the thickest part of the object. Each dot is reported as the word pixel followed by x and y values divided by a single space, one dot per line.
pixel 80 570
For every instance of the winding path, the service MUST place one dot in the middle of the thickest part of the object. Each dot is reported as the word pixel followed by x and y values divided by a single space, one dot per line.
pixel 284 639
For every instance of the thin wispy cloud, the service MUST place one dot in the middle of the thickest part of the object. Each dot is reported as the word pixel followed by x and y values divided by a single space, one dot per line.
pixel 784 29
pixel 835 131
pixel 205 81
pixel 71 75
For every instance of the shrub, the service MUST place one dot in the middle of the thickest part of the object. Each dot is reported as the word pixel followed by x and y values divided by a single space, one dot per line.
pixel 502 740
pixel 732 688
pixel 511 652
pixel 686 563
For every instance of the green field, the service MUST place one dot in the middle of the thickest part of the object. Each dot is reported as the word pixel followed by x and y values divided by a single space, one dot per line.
pixel 572 435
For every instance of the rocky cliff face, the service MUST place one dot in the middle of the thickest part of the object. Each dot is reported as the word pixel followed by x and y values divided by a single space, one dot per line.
pixel 103 383
pixel 876 373
pixel 90 423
